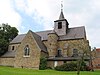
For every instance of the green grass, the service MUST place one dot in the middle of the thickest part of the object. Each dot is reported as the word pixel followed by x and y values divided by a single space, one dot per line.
pixel 17 71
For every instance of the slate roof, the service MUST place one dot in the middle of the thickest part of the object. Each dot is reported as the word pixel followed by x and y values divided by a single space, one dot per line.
pixel 39 42
pixel 44 34
pixel 18 39
pixel 72 33
pixel 9 54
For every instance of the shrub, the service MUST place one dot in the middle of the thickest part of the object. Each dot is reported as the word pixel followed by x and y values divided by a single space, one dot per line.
pixel 83 66
pixel 72 66
pixel 67 67
pixel 43 63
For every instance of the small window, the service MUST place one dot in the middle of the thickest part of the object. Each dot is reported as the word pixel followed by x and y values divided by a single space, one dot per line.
pixel 13 47
pixel 26 50
pixel 59 25
pixel 75 52
pixel 59 53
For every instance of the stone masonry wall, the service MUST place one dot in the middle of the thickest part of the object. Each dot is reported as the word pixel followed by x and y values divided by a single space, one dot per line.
pixel 7 61
pixel 15 47
pixel 52 44
pixel 67 46
pixel 31 61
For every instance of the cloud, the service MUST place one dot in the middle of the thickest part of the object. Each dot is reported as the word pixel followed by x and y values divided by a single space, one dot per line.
pixel 85 13
pixel 8 15
pixel 40 10
pixel 42 13
pixel 78 13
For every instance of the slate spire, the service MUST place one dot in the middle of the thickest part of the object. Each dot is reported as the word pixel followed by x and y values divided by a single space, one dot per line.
pixel 61 14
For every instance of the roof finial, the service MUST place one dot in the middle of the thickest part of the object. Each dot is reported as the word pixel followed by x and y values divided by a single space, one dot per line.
pixel 61 5
pixel 61 14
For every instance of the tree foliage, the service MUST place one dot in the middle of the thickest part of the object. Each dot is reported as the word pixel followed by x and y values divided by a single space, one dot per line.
pixel 43 63
pixel 7 33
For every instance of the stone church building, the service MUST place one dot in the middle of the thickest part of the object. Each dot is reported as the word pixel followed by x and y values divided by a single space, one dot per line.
pixel 60 45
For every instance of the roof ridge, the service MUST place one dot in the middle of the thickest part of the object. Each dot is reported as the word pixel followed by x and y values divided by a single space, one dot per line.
pixel 77 27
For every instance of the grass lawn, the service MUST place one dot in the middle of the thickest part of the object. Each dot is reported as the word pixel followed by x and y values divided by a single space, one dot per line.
pixel 17 71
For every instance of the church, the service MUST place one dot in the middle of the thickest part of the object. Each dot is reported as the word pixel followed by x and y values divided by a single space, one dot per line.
pixel 60 45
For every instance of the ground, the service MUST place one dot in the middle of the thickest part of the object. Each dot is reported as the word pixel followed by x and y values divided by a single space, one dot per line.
pixel 17 71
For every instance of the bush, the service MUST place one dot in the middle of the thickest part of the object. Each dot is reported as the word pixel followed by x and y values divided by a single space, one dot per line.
pixel 67 67
pixel 43 63
pixel 83 66
pixel 72 66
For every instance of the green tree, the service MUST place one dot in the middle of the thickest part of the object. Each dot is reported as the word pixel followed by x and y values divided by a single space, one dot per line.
pixel 83 55
pixel 7 33
pixel 43 63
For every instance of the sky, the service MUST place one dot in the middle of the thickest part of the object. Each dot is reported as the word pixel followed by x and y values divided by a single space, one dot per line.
pixel 39 15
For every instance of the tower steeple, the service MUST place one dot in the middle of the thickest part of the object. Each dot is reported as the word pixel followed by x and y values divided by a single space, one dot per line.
pixel 61 25
pixel 61 14
pixel 61 17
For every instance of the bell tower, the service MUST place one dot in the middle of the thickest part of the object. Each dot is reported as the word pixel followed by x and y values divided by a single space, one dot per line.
pixel 61 25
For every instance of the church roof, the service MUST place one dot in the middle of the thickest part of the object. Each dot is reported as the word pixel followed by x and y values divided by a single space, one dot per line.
pixel 18 38
pixel 72 33
pixel 9 54
pixel 61 16
pixel 39 42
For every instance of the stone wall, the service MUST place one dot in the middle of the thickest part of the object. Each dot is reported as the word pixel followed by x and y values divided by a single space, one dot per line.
pixel 50 64
pixel 31 61
pixel 67 46
pixel 52 44
pixel 7 61
pixel 44 54
pixel 15 47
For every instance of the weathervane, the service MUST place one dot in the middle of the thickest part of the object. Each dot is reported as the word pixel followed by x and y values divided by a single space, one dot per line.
pixel 61 5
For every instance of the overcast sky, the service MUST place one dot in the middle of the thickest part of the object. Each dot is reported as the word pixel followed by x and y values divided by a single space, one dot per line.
pixel 39 15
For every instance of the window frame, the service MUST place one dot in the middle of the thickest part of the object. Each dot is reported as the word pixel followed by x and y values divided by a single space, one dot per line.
pixel 13 47
pixel 26 51
pixel 59 25
pixel 75 52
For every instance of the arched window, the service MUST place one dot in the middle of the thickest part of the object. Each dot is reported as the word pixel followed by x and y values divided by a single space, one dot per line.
pixel 13 47
pixel 26 50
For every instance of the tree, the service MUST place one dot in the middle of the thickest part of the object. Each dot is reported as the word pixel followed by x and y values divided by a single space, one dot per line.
pixel 3 46
pixel 43 63
pixel 7 33
pixel 86 51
